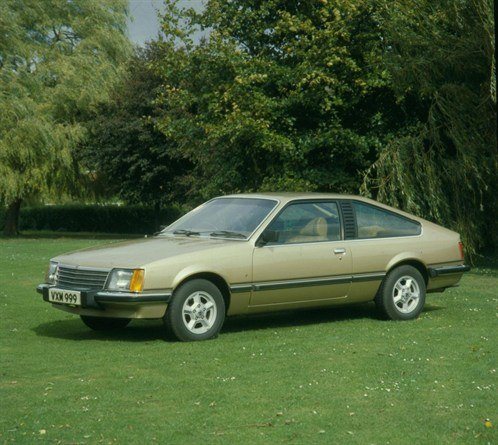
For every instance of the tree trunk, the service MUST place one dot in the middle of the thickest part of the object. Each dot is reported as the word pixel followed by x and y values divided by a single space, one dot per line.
pixel 12 218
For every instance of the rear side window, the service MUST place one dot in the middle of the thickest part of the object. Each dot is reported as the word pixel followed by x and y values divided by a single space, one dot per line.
pixel 374 222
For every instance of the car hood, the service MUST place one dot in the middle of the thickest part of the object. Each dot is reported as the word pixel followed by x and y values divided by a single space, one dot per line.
pixel 131 254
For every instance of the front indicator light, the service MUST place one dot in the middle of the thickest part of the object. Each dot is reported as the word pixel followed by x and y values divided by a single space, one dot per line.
pixel 137 280
pixel 126 280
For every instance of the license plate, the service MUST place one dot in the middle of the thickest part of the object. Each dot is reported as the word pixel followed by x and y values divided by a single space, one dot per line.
pixel 64 296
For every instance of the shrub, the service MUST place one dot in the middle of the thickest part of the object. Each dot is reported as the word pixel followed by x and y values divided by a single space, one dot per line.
pixel 94 218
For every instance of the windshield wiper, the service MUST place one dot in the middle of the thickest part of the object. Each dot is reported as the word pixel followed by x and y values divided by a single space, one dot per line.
pixel 185 232
pixel 228 234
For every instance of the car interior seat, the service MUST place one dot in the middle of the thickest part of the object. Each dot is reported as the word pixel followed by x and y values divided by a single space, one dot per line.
pixel 315 230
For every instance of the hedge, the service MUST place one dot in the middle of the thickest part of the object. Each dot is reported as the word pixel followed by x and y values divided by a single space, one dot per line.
pixel 94 218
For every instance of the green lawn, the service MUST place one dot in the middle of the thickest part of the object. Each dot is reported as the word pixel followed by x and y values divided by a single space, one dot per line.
pixel 328 376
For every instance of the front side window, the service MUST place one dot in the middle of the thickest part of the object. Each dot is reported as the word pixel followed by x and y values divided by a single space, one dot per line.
pixel 224 217
pixel 373 222
pixel 307 222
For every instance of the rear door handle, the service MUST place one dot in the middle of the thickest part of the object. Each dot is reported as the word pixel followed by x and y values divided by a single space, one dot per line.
pixel 339 251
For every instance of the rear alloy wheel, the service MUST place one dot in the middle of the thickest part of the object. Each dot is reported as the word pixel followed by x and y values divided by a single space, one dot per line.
pixel 406 294
pixel 402 294
pixel 196 312
pixel 104 323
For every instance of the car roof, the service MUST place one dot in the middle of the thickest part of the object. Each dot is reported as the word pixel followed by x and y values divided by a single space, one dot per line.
pixel 285 197
pixel 291 196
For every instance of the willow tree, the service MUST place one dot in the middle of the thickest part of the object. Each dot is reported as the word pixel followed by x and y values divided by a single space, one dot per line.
pixel 442 163
pixel 58 60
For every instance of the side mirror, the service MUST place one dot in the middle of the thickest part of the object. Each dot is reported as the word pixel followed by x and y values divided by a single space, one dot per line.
pixel 268 236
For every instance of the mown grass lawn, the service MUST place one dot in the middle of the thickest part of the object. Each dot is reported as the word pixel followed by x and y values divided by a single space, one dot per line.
pixel 328 376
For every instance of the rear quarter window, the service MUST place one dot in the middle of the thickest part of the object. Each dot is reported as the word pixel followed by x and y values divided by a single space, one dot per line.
pixel 373 222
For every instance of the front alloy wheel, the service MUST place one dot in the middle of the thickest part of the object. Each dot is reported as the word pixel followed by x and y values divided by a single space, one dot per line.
pixel 199 312
pixel 196 311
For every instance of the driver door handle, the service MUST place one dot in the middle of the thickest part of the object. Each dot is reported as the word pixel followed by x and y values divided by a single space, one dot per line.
pixel 339 251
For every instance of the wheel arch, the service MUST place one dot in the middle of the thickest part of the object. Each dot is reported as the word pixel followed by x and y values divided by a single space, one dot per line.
pixel 214 278
pixel 414 262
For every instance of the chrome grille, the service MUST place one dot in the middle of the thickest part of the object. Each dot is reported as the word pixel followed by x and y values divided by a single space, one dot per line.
pixel 76 278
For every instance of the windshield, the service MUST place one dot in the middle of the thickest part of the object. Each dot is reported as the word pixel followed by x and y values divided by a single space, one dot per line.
pixel 223 217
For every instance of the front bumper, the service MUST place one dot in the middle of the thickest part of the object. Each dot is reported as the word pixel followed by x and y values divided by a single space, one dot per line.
pixel 96 299
pixel 447 270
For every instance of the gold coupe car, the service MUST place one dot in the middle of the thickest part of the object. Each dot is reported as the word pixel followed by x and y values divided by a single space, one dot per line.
pixel 250 253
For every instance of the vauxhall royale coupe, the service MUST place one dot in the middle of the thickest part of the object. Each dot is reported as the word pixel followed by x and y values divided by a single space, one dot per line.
pixel 249 253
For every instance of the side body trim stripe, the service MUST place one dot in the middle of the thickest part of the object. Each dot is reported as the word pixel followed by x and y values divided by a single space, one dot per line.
pixel 306 282
pixel 236 288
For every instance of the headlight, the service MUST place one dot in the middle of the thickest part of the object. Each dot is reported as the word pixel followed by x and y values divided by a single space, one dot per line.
pixel 126 280
pixel 51 273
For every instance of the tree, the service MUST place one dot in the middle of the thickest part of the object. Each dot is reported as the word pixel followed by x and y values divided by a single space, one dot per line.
pixel 124 150
pixel 282 95
pixel 443 162
pixel 396 97
pixel 57 62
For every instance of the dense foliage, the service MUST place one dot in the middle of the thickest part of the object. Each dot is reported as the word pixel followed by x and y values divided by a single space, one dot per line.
pixel 128 154
pixel 271 100
pixel 396 100
pixel 57 62
pixel 442 163
pixel 95 218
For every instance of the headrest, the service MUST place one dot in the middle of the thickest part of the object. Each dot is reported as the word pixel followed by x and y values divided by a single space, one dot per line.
pixel 316 227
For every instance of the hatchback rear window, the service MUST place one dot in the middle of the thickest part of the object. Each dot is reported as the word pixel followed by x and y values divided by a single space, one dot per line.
pixel 374 222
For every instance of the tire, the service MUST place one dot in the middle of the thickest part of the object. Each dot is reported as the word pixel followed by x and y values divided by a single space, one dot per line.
pixel 399 298
pixel 104 323
pixel 196 311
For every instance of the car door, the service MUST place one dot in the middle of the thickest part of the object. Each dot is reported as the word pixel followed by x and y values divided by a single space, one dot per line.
pixel 307 262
